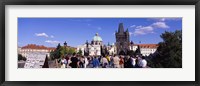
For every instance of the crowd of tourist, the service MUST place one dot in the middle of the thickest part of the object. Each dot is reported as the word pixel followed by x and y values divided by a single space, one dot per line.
pixel 110 61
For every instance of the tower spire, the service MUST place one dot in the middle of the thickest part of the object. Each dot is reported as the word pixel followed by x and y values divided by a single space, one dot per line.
pixel 121 28
pixel 127 30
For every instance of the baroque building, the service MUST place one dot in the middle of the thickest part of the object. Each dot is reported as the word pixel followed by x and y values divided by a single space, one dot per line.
pixel 92 48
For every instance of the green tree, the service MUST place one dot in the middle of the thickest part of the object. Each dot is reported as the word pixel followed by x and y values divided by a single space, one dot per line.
pixel 71 51
pixel 80 52
pixel 169 52
pixel 56 53
pixel 63 51
pixel 52 55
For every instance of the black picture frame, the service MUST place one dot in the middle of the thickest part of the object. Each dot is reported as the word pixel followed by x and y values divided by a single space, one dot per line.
pixel 3 3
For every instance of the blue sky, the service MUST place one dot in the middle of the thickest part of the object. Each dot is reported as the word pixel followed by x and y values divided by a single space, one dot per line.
pixel 75 31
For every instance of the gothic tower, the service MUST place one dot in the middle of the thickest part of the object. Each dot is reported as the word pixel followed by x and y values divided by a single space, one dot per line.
pixel 122 40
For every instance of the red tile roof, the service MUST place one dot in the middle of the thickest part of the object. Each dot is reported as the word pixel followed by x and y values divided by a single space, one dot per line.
pixel 148 45
pixel 34 46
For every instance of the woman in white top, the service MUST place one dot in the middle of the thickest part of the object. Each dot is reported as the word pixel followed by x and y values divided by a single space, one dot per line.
pixel 68 62
pixel 63 62
pixel 133 61
pixel 116 61
pixel 85 62
pixel 143 62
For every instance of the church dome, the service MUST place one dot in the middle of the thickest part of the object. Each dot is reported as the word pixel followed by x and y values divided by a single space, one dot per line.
pixel 97 37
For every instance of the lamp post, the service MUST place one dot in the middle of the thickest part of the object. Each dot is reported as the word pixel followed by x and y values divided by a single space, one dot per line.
pixel 87 50
pixel 65 46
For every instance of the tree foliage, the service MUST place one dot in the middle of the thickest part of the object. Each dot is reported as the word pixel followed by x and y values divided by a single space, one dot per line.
pixel 61 51
pixel 169 52
pixel 80 52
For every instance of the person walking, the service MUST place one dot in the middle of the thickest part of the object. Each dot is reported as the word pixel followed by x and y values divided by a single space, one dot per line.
pixel 111 64
pixel 104 62
pixel 134 61
pixel 129 62
pixel 116 61
pixel 86 62
pixel 143 62
pixel 81 62
pixel 95 62
pixel 63 62
pixel 90 65
pixel 69 62
pixel 74 61
pixel 108 58
pixel 121 62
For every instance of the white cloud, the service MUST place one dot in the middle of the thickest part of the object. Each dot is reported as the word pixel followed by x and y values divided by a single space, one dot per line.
pixel 142 30
pixel 139 26
pixel 52 36
pixel 132 26
pixel 165 19
pixel 44 35
pixel 160 25
pixel 41 34
pixel 52 42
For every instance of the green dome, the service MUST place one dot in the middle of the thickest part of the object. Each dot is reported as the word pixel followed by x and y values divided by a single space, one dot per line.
pixel 97 37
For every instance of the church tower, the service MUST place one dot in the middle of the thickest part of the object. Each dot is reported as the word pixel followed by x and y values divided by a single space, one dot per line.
pixel 122 40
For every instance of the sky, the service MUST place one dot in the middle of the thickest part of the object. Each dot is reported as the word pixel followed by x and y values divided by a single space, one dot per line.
pixel 75 31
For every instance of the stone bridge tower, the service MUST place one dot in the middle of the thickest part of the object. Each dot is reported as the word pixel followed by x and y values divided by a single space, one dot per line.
pixel 122 40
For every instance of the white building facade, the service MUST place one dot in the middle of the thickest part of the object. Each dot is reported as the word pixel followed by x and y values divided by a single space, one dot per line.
pixel 32 49
pixel 94 48
pixel 145 49
pixel 112 49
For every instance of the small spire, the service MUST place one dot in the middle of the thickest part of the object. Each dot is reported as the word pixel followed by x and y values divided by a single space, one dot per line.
pixel 108 44
pixel 131 42
pixel 86 42
pixel 127 30
pixel 65 44
pixel 96 34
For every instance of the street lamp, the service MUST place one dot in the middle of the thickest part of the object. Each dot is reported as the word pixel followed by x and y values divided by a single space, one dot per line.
pixel 87 50
pixel 65 46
